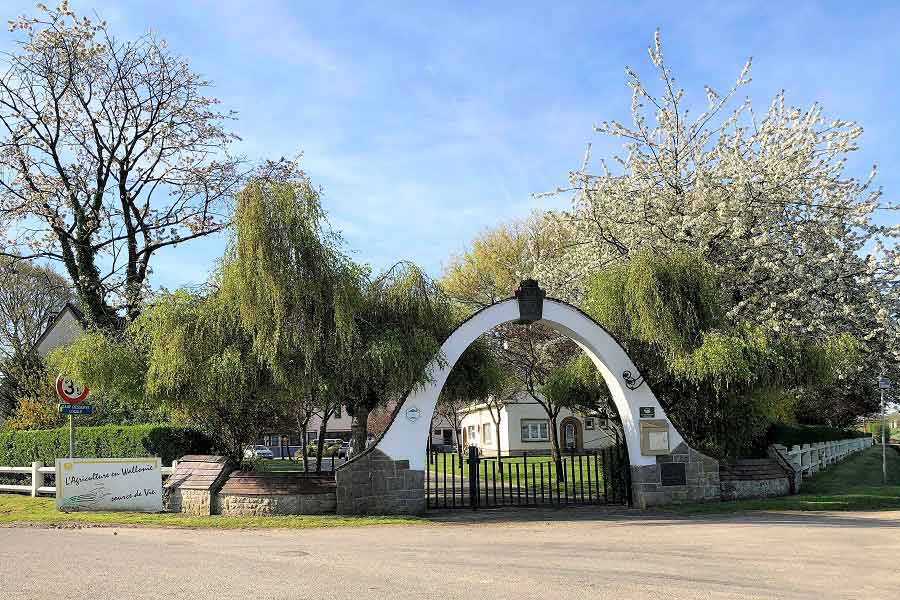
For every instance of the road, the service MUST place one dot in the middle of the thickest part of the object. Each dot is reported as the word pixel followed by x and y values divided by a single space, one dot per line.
pixel 524 555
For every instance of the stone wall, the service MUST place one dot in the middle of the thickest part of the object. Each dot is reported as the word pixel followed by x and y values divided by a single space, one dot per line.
pixel 701 480
pixel 750 488
pixel 373 483
pixel 266 505
pixel 191 502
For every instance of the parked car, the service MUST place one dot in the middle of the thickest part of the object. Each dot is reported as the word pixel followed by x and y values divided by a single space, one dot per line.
pixel 258 452
pixel 344 450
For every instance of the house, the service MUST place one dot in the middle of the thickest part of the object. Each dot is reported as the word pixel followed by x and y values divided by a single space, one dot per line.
pixel 62 329
pixel 338 428
pixel 525 428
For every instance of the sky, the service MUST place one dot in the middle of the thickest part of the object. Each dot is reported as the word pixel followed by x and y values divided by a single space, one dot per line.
pixel 427 122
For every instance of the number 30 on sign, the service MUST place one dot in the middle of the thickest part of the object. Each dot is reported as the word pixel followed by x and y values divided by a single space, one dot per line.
pixel 69 391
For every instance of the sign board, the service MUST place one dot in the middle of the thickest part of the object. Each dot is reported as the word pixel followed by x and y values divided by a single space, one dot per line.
pixel 884 383
pixel 648 412
pixel 76 409
pixel 69 391
pixel 673 474
pixel 654 437
pixel 130 484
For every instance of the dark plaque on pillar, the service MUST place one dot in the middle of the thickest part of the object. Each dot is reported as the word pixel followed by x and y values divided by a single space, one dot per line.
pixel 673 474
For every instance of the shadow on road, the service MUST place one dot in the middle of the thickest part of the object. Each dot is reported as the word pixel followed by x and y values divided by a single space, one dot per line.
pixel 622 515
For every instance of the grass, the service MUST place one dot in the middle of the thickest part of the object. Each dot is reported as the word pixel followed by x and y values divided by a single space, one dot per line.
pixel 518 471
pixel 293 466
pixel 18 510
pixel 854 484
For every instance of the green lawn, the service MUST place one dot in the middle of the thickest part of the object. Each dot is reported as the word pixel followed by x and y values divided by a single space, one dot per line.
pixel 25 510
pixel 293 466
pixel 854 484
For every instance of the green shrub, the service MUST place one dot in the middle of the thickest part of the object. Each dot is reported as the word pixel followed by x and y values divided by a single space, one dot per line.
pixel 311 450
pixel 797 435
pixel 20 448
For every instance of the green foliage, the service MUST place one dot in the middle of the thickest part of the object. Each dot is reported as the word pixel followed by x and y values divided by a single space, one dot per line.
pixel 295 292
pixel 401 322
pixel 201 363
pixel 474 377
pixel 723 384
pixel 797 435
pixel 19 448
pixel 311 449
pixel 576 386
pixel 113 366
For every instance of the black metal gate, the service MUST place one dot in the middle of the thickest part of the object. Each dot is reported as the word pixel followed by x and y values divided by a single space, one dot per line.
pixel 474 481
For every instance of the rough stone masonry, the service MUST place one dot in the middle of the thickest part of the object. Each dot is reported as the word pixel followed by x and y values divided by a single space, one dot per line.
pixel 373 483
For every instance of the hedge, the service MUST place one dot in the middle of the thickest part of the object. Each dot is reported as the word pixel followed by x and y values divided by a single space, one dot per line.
pixel 797 435
pixel 20 448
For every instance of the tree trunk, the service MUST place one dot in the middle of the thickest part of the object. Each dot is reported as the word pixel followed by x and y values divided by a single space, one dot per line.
pixel 320 448
pixel 555 453
pixel 497 429
pixel 304 452
pixel 359 429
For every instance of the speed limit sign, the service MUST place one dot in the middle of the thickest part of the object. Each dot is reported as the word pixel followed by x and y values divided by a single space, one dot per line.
pixel 69 391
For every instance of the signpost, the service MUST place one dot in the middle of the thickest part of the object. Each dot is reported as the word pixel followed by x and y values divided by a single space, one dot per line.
pixel 883 384
pixel 72 395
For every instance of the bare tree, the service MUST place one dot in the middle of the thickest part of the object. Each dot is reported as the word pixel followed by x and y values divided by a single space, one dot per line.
pixel 450 407
pixel 531 354
pixel 29 297
pixel 110 151
pixel 506 390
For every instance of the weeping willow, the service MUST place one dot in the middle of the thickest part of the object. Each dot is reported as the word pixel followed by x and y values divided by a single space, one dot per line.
pixel 295 291
pixel 723 383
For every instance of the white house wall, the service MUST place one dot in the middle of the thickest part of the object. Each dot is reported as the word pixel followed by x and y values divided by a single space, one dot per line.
pixel 511 429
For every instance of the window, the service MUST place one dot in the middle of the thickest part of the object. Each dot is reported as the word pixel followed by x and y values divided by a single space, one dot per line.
pixel 472 435
pixel 589 423
pixel 486 433
pixel 535 431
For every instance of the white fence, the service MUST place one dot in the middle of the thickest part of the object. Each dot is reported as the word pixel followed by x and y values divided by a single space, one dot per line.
pixel 812 458
pixel 39 472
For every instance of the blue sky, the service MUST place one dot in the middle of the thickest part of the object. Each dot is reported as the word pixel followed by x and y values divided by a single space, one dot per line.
pixel 428 122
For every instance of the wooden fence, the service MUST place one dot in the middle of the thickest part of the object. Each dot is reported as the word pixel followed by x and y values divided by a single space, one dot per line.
pixel 812 458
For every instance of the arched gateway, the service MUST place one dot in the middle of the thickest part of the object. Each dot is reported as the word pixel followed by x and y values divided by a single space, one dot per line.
pixel 390 476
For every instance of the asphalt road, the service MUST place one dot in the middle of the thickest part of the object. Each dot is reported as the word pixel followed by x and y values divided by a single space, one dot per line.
pixel 580 554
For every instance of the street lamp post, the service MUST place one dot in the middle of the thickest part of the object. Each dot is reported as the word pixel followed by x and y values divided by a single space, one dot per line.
pixel 883 384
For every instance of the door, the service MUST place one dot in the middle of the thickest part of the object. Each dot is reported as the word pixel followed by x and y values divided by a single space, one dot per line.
pixel 570 438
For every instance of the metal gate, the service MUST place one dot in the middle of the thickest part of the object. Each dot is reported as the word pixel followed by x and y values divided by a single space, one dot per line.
pixel 474 481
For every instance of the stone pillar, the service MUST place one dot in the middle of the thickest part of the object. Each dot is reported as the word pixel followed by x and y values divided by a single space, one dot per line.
pixel 701 480
pixel 375 484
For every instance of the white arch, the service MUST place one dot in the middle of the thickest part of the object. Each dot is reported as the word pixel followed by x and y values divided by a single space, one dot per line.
pixel 406 439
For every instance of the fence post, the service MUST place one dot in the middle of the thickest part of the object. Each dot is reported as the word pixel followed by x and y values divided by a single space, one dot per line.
pixel 37 478
pixel 473 477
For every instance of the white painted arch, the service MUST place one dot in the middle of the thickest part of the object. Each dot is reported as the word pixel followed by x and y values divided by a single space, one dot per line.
pixel 405 438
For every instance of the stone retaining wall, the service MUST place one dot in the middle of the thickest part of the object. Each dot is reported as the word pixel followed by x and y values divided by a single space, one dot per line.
pixel 268 505
pixel 701 480
pixel 763 488
pixel 375 484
